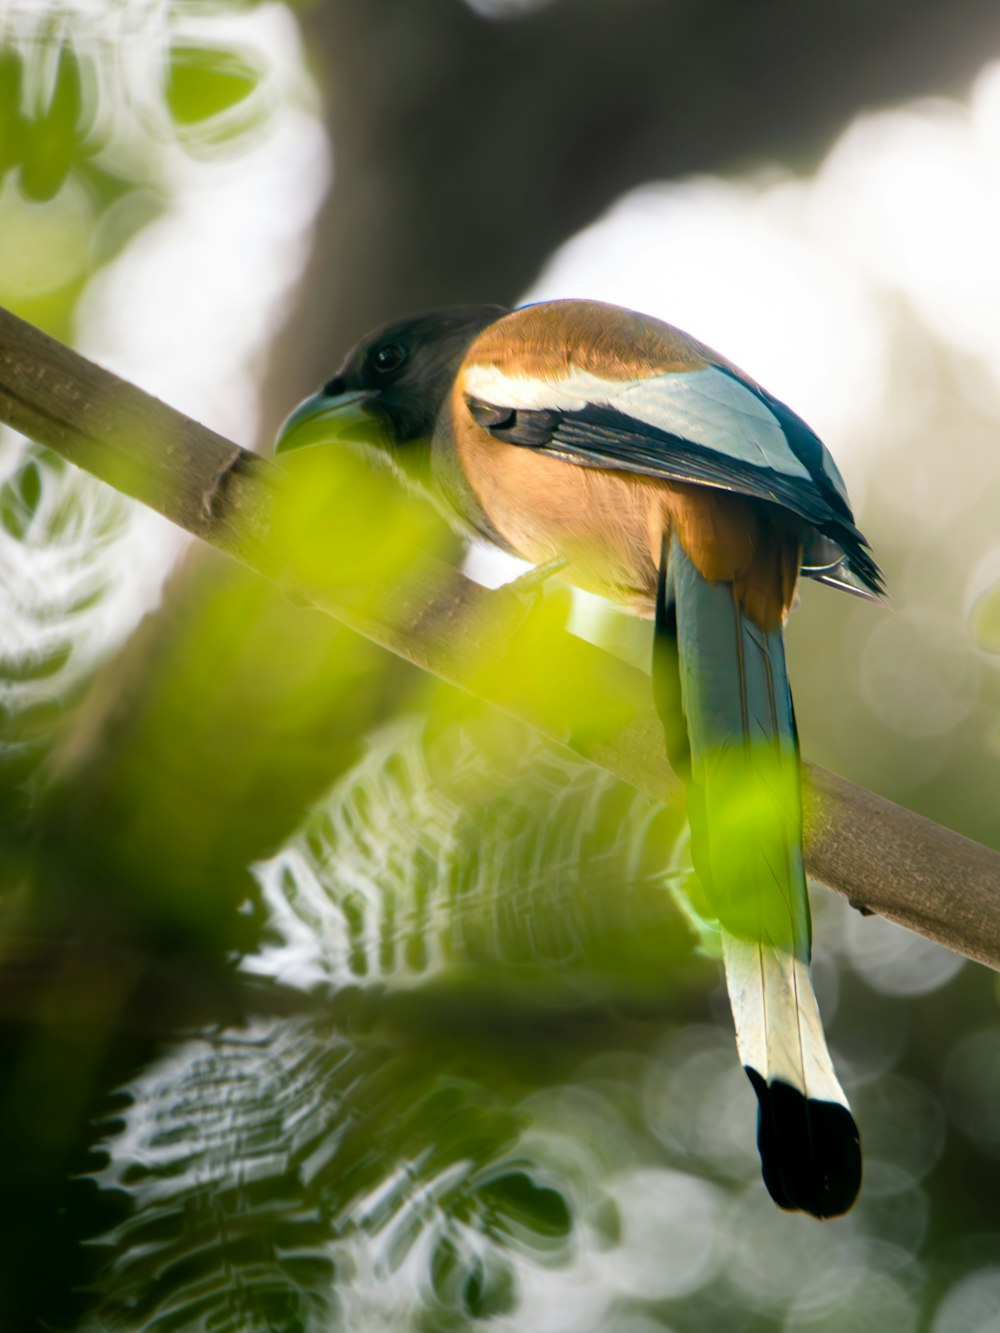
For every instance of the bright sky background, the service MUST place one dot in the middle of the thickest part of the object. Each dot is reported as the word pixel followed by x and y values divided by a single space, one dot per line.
pixel 789 277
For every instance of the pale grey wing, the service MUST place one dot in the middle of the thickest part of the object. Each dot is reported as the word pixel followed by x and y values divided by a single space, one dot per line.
pixel 709 427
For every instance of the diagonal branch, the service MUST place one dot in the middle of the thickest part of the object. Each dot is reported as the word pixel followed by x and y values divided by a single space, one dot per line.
pixel 880 856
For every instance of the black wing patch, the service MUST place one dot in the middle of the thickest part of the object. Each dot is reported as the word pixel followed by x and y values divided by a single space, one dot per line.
pixel 489 416
pixel 602 437
pixel 804 443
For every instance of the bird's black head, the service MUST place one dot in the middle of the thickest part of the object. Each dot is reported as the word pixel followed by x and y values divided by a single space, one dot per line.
pixel 392 385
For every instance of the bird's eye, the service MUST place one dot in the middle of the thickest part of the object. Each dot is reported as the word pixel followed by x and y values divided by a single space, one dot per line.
pixel 388 357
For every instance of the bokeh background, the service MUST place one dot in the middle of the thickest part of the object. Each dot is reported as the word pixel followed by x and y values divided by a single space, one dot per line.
pixel 328 998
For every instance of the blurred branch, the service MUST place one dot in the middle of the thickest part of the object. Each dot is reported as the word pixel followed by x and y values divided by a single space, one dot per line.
pixel 880 856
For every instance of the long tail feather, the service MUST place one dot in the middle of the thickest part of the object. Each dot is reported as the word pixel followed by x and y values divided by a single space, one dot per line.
pixel 741 766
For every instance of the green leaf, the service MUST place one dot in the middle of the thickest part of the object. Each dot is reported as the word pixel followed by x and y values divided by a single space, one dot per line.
pixel 19 497
pixel 517 1203
pixel 54 139
pixel 204 82
pixel 984 621
pixel 13 125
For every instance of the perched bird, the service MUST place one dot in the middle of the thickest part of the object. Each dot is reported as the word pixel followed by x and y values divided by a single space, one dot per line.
pixel 664 478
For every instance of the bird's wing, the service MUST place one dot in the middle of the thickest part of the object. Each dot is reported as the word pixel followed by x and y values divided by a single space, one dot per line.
pixel 709 426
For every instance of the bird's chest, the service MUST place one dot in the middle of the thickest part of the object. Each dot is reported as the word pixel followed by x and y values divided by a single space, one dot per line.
pixel 608 525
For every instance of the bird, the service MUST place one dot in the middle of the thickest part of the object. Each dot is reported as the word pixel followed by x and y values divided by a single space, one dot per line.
pixel 613 447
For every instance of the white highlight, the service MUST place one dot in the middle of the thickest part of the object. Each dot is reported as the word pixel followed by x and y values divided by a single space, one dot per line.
pixel 779 1032
pixel 708 407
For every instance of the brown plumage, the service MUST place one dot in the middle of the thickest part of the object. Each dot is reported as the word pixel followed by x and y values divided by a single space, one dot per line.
pixel 546 340
pixel 749 543
pixel 610 524
pixel 607 524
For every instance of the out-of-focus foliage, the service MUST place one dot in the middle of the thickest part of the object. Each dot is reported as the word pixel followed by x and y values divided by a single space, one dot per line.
pixel 205 85
pixel 96 101
pixel 55 585
pixel 93 100
pixel 510 1102
pixel 100 106
pixel 331 999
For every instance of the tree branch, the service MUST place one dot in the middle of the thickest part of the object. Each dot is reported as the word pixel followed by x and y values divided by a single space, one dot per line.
pixel 878 855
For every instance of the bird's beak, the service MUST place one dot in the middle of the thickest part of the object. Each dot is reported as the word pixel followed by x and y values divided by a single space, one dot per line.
pixel 343 418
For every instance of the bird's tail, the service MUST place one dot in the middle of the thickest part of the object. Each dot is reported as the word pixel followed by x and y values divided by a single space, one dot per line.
pixel 723 693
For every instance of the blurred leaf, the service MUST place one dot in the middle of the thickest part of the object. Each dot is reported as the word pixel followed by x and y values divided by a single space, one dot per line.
pixel 55 136
pixel 44 246
pixel 13 125
pixel 469 852
pixel 247 1160
pixel 57 555
pixel 463 854
pixel 19 498
pixel 128 208
pixel 985 620
pixel 214 96
pixel 517 1204
pixel 204 81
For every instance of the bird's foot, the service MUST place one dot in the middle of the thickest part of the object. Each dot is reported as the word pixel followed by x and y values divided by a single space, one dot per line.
pixel 533 580
pixel 523 595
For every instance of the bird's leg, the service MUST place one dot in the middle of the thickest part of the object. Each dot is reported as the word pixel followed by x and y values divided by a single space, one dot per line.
pixel 522 595
pixel 534 579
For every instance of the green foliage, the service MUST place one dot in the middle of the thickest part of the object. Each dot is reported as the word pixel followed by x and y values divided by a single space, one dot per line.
pixel 753 792
pixel 86 146
pixel 461 1193
pixel 985 621
pixel 56 535
pixel 13 123
pixel 204 82
pixel 57 135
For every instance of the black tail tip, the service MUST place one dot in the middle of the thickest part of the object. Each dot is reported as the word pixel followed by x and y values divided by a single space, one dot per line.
pixel 810 1151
